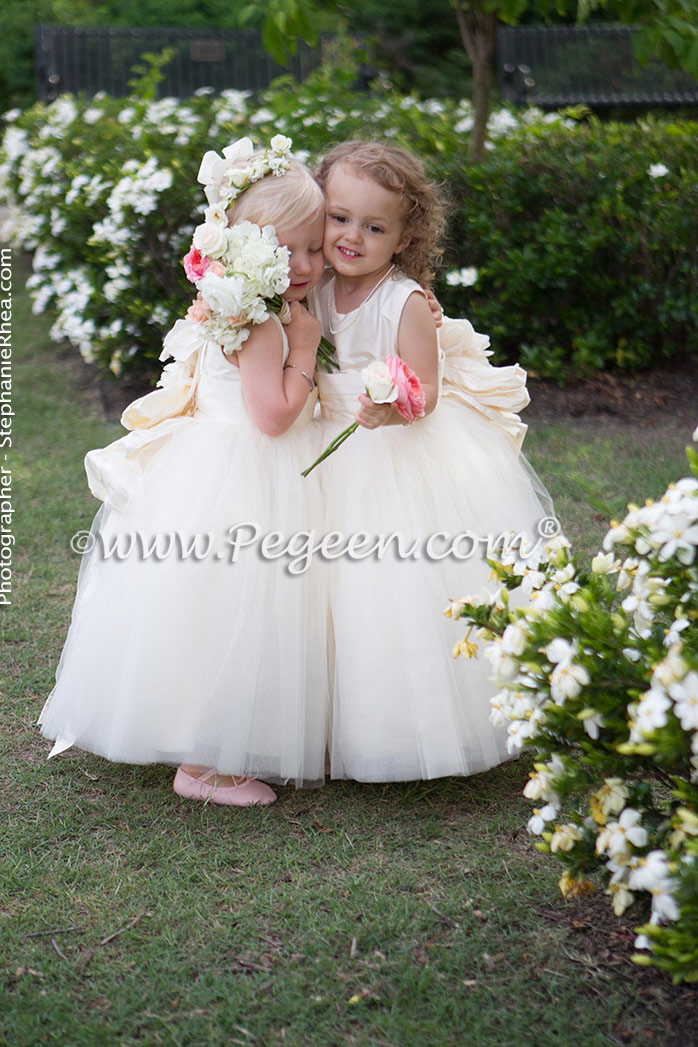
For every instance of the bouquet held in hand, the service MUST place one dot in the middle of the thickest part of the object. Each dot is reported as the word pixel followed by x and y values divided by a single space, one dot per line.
pixel 388 381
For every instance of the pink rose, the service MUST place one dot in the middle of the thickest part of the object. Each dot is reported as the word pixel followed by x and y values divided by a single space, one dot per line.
pixel 199 311
pixel 195 264
pixel 410 395
pixel 217 268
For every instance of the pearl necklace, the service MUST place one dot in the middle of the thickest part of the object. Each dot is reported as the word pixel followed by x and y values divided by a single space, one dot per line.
pixel 335 319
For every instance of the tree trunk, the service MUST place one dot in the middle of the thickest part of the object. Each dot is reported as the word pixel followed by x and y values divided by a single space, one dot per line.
pixel 478 30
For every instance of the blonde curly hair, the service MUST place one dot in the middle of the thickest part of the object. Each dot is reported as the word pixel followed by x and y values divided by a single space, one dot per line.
pixel 402 173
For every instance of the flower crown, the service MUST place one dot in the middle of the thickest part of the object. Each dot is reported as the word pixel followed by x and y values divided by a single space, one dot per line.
pixel 224 178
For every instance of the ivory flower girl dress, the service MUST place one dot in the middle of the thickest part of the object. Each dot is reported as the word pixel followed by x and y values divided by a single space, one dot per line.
pixel 402 707
pixel 215 658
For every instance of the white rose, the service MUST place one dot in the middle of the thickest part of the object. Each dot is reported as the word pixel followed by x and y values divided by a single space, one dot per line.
pixel 281 144
pixel 238 177
pixel 210 239
pixel 379 383
pixel 224 294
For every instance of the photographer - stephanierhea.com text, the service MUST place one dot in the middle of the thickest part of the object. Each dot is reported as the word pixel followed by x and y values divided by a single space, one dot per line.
pixel 7 539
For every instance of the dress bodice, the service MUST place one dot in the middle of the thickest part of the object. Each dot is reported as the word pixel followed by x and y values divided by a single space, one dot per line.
pixel 370 331
pixel 366 334
pixel 219 387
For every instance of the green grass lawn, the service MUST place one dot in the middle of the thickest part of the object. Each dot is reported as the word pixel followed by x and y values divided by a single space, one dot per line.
pixel 408 915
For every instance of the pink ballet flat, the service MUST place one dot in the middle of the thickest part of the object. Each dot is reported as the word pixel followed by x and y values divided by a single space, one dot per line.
pixel 250 794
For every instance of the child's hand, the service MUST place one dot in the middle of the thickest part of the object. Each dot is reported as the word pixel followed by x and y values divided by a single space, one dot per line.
pixel 436 310
pixel 304 331
pixel 372 416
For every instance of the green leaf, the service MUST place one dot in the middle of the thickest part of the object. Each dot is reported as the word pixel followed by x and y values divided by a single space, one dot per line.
pixel 274 41
pixel 692 460
pixel 247 14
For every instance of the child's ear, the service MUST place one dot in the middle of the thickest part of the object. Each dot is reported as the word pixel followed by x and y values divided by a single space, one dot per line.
pixel 404 241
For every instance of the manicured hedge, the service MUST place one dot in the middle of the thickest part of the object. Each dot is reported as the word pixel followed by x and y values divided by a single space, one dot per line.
pixel 586 245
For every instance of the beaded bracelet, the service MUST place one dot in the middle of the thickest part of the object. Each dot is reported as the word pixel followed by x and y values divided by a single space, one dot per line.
pixel 311 381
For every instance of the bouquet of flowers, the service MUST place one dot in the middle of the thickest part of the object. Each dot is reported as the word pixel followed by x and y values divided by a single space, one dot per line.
pixel 387 381
pixel 240 273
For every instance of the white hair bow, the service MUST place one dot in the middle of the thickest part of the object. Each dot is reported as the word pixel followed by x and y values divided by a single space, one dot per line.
pixel 213 169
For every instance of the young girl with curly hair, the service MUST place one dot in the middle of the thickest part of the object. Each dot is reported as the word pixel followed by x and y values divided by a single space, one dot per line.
pixel 422 499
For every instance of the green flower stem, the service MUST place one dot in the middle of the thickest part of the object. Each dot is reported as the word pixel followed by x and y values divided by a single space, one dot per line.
pixel 331 448
pixel 325 355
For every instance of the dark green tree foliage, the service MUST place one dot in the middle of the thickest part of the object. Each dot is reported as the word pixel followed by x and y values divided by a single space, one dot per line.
pixel 17 76
pixel 417 43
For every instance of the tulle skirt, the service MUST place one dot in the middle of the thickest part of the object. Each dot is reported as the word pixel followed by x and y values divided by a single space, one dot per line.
pixel 191 639
pixel 402 707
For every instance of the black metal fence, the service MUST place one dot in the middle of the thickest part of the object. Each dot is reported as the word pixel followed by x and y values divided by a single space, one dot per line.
pixel 552 66
pixel 100 58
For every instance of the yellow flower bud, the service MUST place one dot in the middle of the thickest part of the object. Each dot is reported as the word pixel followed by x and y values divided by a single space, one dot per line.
pixel 636 748
pixel 572 888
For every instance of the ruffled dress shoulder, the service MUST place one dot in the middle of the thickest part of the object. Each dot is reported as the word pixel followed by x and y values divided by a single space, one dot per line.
pixel 187 643
pixel 429 497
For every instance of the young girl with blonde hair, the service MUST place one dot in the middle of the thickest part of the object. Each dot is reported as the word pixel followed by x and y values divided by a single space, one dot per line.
pixel 188 645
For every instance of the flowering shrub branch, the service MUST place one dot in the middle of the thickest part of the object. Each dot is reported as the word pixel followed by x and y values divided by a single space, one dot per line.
pixel 598 672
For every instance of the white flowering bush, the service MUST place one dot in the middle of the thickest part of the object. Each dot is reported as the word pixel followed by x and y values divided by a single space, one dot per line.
pixel 103 192
pixel 597 671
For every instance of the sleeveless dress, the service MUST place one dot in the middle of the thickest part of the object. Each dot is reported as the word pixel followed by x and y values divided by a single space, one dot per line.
pixel 186 643
pixel 402 707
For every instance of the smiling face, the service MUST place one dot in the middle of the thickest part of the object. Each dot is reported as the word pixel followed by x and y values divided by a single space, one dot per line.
pixel 307 260
pixel 365 226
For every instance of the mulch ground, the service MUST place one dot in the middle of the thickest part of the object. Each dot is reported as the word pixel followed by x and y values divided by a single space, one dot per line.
pixel 600 946
pixel 643 399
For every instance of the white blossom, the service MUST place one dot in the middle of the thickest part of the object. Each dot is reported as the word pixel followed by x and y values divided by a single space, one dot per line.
pixel 465 277
pixel 616 838
pixel 685 695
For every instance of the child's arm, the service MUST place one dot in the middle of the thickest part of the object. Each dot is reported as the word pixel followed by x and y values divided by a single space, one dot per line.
pixel 418 346
pixel 276 394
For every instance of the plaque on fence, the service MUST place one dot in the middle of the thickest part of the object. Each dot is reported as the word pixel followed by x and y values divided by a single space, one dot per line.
pixel 207 51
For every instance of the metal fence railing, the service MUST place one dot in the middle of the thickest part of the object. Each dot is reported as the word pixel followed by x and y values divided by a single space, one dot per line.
pixel 552 66
pixel 100 58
